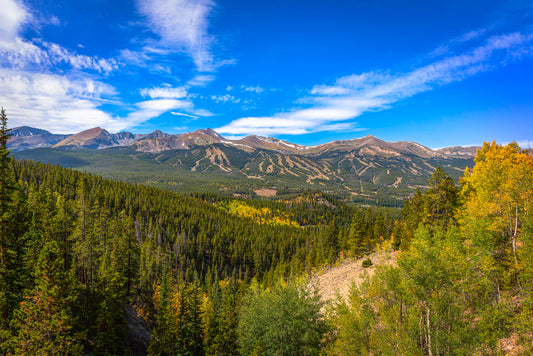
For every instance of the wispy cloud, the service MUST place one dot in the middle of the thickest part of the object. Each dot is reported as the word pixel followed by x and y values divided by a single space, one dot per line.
pixel 183 25
pixel 65 105
pixel 148 109
pixel 165 93
pixel 183 114
pixel 184 104
pixel 351 96
pixel 201 80
pixel 16 52
pixel 464 38
pixel 253 89
pixel 76 98
pixel 225 99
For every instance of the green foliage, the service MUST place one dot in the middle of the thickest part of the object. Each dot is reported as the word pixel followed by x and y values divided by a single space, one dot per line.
pixel 455 289
pixel 221 310
pixel 285 320
pixel 367 263
pixel 426 305
pixel 435 208
pixel 13 224
pixel 180 328
pixel 44 322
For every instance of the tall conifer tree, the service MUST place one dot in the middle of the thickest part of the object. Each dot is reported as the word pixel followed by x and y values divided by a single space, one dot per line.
pixel 12 228
pixel 44 320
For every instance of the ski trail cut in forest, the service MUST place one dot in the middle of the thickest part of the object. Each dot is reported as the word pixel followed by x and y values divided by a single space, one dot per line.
pixel 339 279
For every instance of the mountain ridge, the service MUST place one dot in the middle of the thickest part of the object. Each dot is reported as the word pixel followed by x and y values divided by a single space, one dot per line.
pixel 26 137
pixel 358 169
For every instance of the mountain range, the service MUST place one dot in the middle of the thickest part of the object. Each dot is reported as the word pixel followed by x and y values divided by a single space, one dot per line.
pixel 24 138
pixel 362 169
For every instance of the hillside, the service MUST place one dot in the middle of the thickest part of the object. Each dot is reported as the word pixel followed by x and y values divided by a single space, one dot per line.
pixel 363 170
pixel 336 281
pixel 25 137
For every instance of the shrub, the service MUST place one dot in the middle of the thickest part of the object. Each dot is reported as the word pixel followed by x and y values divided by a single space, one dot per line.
pixel 367 263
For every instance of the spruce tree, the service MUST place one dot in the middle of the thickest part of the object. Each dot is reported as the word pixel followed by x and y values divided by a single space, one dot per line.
pixel 13 221
pixel 45 321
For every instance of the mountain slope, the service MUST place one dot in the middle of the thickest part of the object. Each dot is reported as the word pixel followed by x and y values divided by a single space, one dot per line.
pixel 157 141
pixel 459 151
pixel 166 142
pixel 363 170
pixel 356 175
pixel 25 138
pixel 98 138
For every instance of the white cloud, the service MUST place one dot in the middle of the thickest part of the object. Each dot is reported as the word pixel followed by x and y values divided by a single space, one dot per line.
pixel 352 95
pixel 182 24
pixel 54 102
pixel 12 17
pixel 149 109
pixel 183 114
pixel 201 80
pixel 72 101
pixel 67 105
pixel 16 52
pixel 165 93
pixel 254 89
pixel 165 100
pixel 225 99
pixel 201 112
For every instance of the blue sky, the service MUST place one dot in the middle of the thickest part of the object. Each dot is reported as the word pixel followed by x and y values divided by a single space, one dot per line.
pixel 452 73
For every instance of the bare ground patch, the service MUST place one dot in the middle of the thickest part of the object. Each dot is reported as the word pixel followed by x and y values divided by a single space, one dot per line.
pixel 339 279
pixel 266 192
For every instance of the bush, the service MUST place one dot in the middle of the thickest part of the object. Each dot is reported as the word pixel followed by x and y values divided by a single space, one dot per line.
pixel 367 263
pixel 285 320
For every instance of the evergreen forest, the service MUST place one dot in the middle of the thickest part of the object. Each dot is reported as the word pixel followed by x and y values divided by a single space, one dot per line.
pixel 92 266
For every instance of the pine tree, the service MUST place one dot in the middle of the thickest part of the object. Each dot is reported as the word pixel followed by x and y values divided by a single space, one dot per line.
pixel 163 337
pixel 110 331
pixel 44 321
pixel 331 241
pixel 440 201
pixel 13 222
pixel 356 233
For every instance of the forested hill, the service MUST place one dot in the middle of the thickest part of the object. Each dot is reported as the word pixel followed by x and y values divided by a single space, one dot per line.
pixel 113 241
pixel 350 176
pixel 364 170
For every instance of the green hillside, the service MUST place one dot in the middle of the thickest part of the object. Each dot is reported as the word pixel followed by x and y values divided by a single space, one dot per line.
pixel 217 168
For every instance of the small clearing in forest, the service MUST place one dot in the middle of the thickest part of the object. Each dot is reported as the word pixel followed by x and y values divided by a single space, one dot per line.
pixel 339 279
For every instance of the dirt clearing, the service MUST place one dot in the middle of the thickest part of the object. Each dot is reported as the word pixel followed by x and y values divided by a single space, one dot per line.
pixel 339 278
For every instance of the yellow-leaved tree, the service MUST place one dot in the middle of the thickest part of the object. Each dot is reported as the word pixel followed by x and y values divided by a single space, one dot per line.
pixel 498 195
